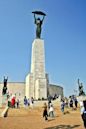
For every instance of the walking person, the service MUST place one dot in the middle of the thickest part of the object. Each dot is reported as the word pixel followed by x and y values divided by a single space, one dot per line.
pixel 45 113
pixel 75 102
pixel 28 101
pixel 62 106
pixel 17 103
pixel 13 101
pixel 49 102
pixel 71 103
pixel 32 102
pixel 25 101
pixel 83 113
pixel 51 111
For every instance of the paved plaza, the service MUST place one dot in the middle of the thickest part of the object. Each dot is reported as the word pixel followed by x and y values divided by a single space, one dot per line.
pixel 31 118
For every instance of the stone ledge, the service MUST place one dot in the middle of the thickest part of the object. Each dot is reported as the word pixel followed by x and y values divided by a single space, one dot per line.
pixel 5 111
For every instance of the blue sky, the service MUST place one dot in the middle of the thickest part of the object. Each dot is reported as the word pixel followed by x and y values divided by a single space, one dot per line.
pixel 64 33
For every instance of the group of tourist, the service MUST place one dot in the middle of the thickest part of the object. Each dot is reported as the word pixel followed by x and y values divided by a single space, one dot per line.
pixel 48 110
pixel 13 102
pixel 28 102
pixel 65 103
pixel 72 103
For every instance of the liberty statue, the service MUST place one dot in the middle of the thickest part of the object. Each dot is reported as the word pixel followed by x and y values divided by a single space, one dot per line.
pixel 38 21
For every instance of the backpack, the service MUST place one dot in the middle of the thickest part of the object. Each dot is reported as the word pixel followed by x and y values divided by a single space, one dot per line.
pixel 84 115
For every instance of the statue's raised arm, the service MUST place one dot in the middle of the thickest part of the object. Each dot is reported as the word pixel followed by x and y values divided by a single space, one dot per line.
pixel 43 18
pixel 34 18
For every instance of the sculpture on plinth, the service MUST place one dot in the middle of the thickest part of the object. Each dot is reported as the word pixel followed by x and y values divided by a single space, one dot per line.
pixel 80 86
pixel 4 90
pixel 38 21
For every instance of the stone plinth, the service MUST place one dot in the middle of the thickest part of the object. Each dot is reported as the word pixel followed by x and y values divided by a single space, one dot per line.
pixel 41 88
pixel 81 98
pixel 38 59
pixel 36 81
pixel 29 91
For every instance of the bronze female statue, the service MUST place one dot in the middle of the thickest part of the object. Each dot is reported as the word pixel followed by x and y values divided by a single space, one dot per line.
pixel 38 22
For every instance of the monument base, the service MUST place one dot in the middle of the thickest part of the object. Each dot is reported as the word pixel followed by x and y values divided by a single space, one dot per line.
pixel 36 89
pixel 29 90
pixel 41 88
pixel 81 98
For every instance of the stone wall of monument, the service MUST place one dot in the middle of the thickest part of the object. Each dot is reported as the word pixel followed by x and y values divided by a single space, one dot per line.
pixel 15 88
pixel 55 89
pixel 18 88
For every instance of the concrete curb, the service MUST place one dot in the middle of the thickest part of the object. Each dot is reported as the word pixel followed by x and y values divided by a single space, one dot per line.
pixel 4 113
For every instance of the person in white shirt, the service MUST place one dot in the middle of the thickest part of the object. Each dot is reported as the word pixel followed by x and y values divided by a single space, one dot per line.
pixel 51 111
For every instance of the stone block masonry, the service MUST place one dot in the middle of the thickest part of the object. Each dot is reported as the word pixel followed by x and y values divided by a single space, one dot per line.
pixel 36 81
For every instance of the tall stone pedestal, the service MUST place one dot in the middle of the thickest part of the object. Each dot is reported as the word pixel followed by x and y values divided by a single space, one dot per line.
pixel 41 88
pixel 36 81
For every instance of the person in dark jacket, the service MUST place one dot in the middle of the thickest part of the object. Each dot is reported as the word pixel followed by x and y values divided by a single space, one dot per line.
pixel 83 113
pixel 45 113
